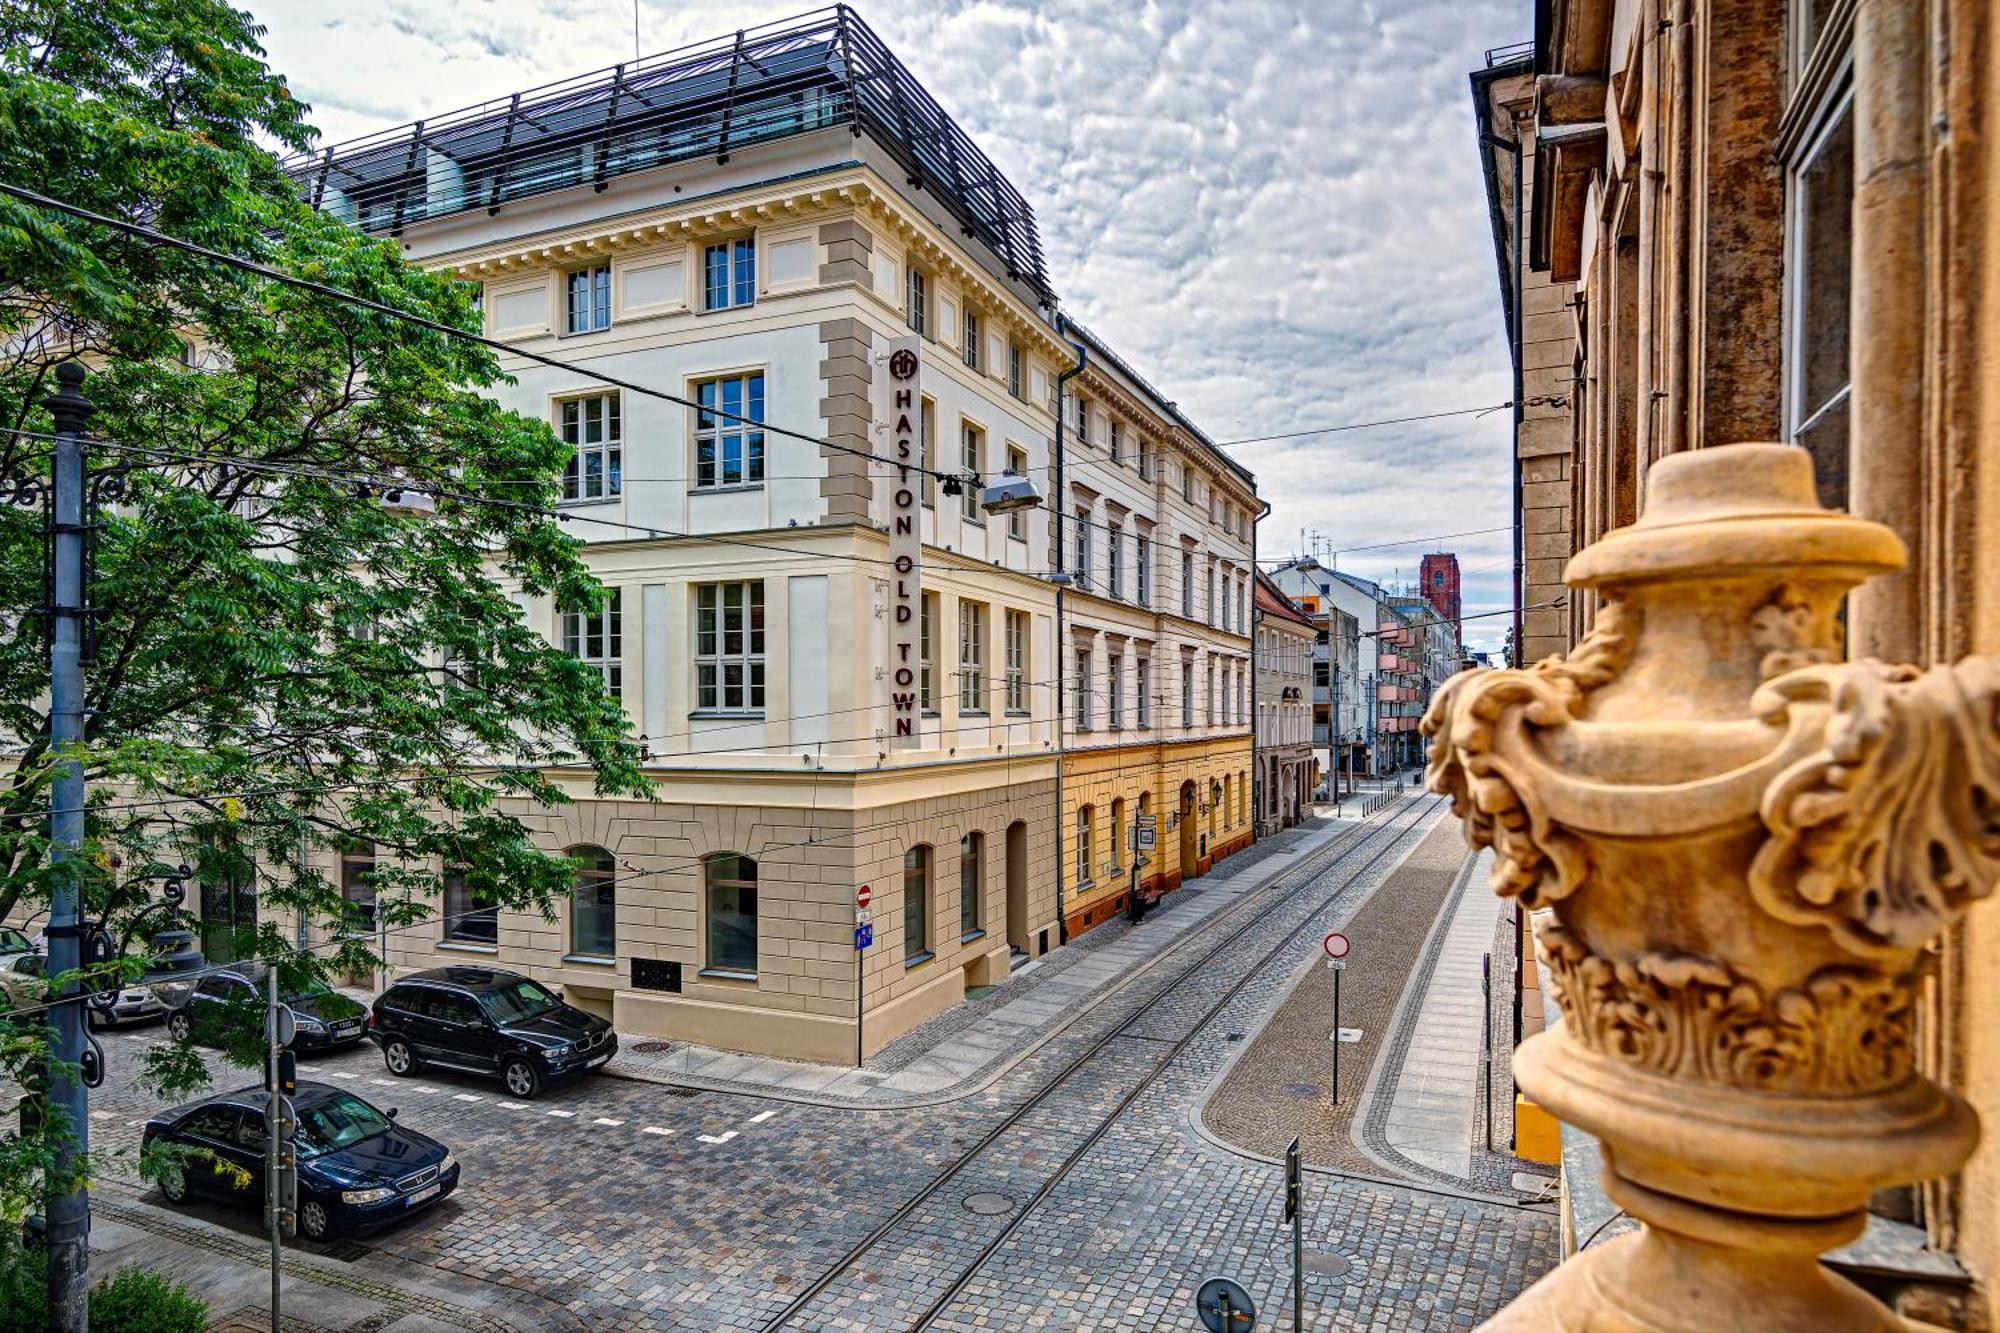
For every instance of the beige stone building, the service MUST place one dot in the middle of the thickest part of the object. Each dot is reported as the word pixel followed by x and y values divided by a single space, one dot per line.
pixel 1774 222
pixel 738 250
pixel 1286 638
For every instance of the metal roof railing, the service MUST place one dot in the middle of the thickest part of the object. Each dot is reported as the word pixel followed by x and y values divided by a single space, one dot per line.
pixel 818 71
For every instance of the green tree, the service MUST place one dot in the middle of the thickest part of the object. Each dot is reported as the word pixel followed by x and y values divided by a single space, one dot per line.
pixel 282 666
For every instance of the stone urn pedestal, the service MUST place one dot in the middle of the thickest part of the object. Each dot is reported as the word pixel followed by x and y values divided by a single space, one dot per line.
pixel 1744 845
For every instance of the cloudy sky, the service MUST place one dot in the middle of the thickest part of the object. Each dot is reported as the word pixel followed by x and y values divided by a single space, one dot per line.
pixel 1272 208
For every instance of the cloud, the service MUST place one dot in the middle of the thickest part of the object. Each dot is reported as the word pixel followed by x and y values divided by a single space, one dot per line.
pixel 1272 208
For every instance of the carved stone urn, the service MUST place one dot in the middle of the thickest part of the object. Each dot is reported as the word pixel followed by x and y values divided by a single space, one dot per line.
pixel 1743 845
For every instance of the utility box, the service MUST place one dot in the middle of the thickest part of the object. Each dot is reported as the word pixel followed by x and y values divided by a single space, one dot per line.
pixel 1537 1134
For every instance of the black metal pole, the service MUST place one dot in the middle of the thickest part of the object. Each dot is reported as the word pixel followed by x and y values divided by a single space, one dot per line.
pixel 1486 1018
pixel 1337 969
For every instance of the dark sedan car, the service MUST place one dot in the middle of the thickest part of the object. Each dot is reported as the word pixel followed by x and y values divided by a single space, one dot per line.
pixel 358 1168
pixel 486 1021
pixel 226 1000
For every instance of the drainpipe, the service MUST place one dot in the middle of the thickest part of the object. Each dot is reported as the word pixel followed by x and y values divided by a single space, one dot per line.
pixel 1520 304
pixel 1060 505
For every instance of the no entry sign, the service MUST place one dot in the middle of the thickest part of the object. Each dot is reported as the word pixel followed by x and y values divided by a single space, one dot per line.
pixel 1335 944
pixel 863 896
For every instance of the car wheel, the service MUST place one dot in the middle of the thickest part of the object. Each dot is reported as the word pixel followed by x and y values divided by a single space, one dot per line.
pixel 401 1060
pixel 180 1027
pixel 314 1224
pixel 522 1079
pixel 173 1184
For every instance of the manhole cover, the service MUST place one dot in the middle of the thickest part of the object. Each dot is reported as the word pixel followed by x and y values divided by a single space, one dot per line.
pixel 1328 1265
pixel 652 1047
pixel 1234 1036
pixel 346 1251
pixel 988 1204
pixel 1303 1090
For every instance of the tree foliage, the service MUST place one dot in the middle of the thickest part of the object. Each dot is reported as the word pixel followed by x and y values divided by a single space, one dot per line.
pixel 281 667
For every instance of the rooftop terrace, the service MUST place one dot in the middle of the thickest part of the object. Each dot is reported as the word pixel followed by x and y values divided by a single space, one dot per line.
pixel 815 72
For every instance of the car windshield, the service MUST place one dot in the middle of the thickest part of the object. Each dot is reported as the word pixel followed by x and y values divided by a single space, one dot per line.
pixel 312 990
pixel 13 941
pixel 516 1001
pixel 340 1123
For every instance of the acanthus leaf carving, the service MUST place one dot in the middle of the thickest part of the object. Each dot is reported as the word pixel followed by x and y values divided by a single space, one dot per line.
pixel 1885 832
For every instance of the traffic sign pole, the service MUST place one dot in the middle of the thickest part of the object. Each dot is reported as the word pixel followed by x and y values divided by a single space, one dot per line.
pixel 1295 1214
pixel 274 1122
pixel 1337 970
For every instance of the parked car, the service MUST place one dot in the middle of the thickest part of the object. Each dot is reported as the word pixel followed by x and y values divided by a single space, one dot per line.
pixel 358 1168
pixel 486 1021
pixel 21 977
pixel 135 1001
pixel 234 998
pixel 13 941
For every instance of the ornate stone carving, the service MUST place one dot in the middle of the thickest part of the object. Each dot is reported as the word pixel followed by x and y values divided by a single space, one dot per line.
pixel 1743 846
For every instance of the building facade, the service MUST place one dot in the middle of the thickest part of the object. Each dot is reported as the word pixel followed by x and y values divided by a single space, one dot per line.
pixel 1287 640
pixel 1773 222
pixel 741 259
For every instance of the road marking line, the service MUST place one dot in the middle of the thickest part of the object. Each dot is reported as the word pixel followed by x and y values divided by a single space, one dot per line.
pixel 424 1090
pixel 466 1097
pixel 383 1082
pixel 564 1114
pixel 308 1069
pixel 650 1129
pixel 717 1138
pixel 606 1120
pixel 513 1106
pixel 343 1073
pixel 761 1117
pixel 100 1115
pixel 135 1122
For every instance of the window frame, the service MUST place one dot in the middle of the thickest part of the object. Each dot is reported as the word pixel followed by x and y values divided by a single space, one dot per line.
pixel 1142 690
pixel 596 286
pixel 972 458
pixel 711 612
pixel 972 877
pixel 456 915
pixel 606 626
pixel 1017 520
pixel 710 882
pixel 1114 565
pixel 1114 690
pixel 1018 634
pixel 971 658
pixel 969 335
pixel 920 901
pixel 927 618
pixel 916 299
pixel 1084 662
pixel 608 448
pixel 739 273
pixel 603 876
pixel 1086 840
pixel 712 474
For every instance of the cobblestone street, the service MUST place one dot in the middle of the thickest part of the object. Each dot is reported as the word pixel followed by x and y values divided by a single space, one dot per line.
pixel 1081 1194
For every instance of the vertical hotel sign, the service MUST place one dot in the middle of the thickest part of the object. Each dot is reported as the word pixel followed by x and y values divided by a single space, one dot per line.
pixel 899 409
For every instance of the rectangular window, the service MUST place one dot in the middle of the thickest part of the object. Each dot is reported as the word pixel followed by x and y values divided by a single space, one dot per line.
pixel 1227 584
pixel 729 274
pixel 1117 442
pixel 591 428
pixel 971 870
pixel 1017 661
pixel 594 638
pixel 1142 565
pixel 916 905
pixel 969 348
pixel 927 428
pixel 1083 552
pixel 1187 584
pixel 1082 420
pixel 729 451
pixel 972 459
pixel 1014 369
pixel 914 300
pixel 465 921
pixel 1083 684
pixel 1209 718
pixel 1017 519
pixel 927 652
pixel 1085 835
pixel 1145 461
pixel 1208 601
pixel 971 657
pixel 1114 691
pixel 1142 690
pixel 1820 268
pixel 1187 483
pixel 1114 560
pixel 1187 695
pixel 589 301
pixel 729 647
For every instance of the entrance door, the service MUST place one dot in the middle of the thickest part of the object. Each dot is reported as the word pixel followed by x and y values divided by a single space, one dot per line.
pixel 1017 886
pixel 1189 831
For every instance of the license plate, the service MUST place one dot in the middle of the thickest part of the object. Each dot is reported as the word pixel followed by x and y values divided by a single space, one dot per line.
pixel 598 1061
pixel 427 1192
pixel 348 1029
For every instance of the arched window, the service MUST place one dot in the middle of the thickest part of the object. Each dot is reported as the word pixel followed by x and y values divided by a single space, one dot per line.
pixel 1084 831
pixel 917 905
pixel 729 885
pixel 1117 831
pixel 593 904
pixel 971 875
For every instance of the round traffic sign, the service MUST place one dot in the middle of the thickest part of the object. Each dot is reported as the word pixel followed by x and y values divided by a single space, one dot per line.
pixel 863 896
pixel 1225 1307
pixel 1335 944
pixel 284 1021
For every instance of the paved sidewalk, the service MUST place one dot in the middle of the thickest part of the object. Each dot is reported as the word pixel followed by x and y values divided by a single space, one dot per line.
pixel 951 1056
pixel 1437 1087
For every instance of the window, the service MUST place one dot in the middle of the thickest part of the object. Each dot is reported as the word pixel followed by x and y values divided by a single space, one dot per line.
pixel 1820 269
pixel 1017 520
pixel 969 343
pixel 971 657
pixel 916 905
pixel 591 428
pixel 971 873
pixel 1014 369
pixel 1187 694
pixel 1114 560
pixel 1082 421
pixel 1017 661
pixel 1115 830
pixel 1083 848
pixel 729 274
pixel 1142 690
pixel 729 450
pixel 1187 584
pixel 972 459
pixel 1242 701
pixel 1227 584
pixel 593 904
pixel 588 304
pixel 595 638
pixel 357 881
pixel 927 652
pixel 1083 720
pixel 1114 687
pixel 914 300
pixel 1083 547
pixel 729 647
pixel 730 885
pixel 1210 687
pixel 1117 442
pixel 927 430
pixel 1142 565
pixel 1187 483
pixel 1208 601
pixel 465 922
pixel 1145 461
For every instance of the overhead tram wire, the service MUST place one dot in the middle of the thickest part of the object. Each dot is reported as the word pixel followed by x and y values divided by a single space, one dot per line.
pixel 1366 425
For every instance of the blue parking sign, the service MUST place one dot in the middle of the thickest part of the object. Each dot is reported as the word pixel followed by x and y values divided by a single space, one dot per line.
pixel 864 936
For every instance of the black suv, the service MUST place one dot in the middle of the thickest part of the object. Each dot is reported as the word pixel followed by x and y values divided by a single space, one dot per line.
pixel 486 1021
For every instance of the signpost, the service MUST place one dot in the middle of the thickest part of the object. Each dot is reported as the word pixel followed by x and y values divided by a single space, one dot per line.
pixel 1295 1214
pixel 1336 947
pixel 1225 1307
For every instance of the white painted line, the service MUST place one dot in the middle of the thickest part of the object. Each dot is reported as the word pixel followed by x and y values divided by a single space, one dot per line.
pixel 466 1097
pixel 383 1082
pixel 650 1129
pixel 513 1106
pixel 100 1115
pixel 308 1069
pixel 717 1138
pixel 343 1073
pixel 606 1120
pixel 564 1114
pixel 135 1122
pixel 426 1091
pixel 761 1117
